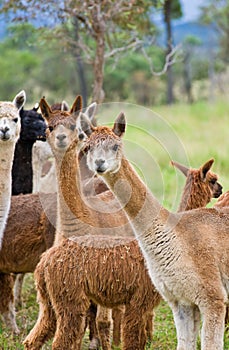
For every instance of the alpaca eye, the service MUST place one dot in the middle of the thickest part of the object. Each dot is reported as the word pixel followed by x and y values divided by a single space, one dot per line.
pixel 15 120
pixel 72 127
pixel 115 147
pixel 50 128
pixel 213 182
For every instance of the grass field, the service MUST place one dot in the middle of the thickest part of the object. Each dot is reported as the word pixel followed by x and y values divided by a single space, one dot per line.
pixel 188 134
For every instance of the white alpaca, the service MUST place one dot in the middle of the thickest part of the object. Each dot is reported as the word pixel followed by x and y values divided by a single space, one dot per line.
pixel 186 253
pixel 10 127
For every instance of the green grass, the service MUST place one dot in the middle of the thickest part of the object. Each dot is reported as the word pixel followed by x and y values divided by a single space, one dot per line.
pixel 190 134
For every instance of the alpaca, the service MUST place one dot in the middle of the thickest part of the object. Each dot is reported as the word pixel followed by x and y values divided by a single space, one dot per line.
pixel 10 127
pixel 116 277
pixel 42 155
pixel 186 252
pixel 109 271
pixel 32 128
pixel 200 187
pixel 23 243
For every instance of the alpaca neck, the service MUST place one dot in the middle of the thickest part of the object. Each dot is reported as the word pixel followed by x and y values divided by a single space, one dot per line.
pixel 6 162
pixel 70 205
pixel 137 201
pixel 78 215
pixel 22 173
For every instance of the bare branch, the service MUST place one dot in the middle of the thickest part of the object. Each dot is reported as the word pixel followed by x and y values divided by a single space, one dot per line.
pixel 133 45
pixel 174 53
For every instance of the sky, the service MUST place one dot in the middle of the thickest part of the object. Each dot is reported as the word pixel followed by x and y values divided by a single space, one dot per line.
pixel 191 9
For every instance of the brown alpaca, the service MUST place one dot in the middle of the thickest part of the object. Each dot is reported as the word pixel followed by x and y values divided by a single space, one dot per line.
pixel 200 187
pixel 110 271
pixel 186 252
pixel 23 243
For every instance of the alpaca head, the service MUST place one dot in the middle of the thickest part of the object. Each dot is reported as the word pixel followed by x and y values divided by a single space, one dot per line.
pixel 202 179
pixel 104 146
pixel 63 106
pixel 64 130
pixel 33 126
pixel 10 123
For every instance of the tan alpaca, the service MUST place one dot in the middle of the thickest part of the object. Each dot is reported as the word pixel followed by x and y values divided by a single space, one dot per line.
pixel 110 271
pixel 10 127
pixel 200 187
pixel 186 252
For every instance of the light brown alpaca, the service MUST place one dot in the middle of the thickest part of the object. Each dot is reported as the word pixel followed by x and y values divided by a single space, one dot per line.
pixel 200 187
pixel 186 252
pixel 110 271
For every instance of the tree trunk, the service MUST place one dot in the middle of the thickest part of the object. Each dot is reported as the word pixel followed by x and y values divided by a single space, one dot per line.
pixel 98 93
pixel 79 61
pixel 167 20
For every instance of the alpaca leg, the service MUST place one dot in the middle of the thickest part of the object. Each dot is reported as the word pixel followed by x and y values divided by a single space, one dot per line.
pixel 149 326
pixel 117 316
pixel 70 328
pixel 7 302
pixel 103 321
pixel 45 326
pixel 18 290
pixel 133 332
pixel 187 322
pixel 213 326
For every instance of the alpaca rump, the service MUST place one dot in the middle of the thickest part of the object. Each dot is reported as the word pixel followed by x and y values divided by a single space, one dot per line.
pixel 110 272
pixel 25 240
pixel 23 243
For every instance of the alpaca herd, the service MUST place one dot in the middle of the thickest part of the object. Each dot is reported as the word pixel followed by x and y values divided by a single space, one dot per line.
pixel 101 246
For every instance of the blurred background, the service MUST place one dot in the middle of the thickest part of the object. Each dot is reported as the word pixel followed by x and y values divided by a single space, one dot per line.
pixel 149 52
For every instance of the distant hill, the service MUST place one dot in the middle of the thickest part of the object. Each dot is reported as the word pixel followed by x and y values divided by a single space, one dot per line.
pixel 205 33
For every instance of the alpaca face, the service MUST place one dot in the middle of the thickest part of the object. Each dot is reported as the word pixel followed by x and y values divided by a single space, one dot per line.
pixel 33 126
pixel 104 148
pixel 10 124
pixel 63 135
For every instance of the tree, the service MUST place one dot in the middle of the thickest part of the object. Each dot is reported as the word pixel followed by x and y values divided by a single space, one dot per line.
pixel 171 9
pixel 216 12
pixel 189 45
pixel 105 27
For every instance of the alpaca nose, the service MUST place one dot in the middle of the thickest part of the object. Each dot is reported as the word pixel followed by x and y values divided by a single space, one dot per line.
pixel 99 165
pixel 5 129
pixel 61 137
pixel 81 136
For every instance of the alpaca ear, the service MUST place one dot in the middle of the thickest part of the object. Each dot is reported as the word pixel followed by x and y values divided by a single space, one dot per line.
pixel 85 124
pixel 36 107
pixel 181 167
pixel 205 168
pixel 64 106
pixel 45 109
pixel 90 111
pixel 119 125
pixel 77 105
pixel 19 100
